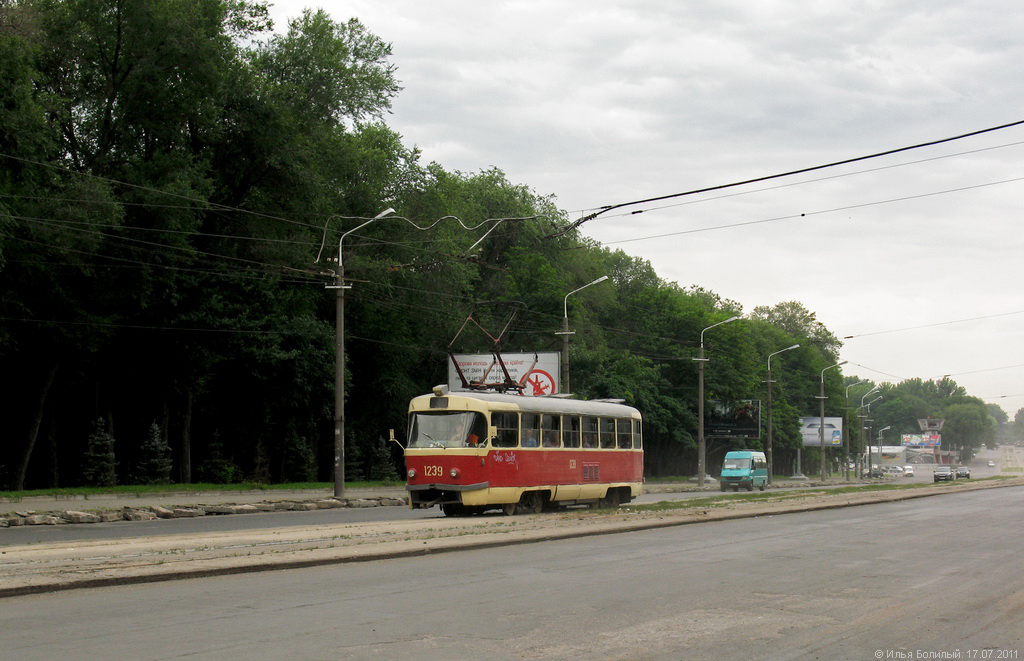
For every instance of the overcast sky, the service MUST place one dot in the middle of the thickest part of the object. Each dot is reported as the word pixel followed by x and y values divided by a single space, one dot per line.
pixel 609 101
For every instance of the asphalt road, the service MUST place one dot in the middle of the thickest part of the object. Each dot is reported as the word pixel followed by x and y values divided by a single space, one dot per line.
pixel 263 520
pixel 912 579
pixel 208 524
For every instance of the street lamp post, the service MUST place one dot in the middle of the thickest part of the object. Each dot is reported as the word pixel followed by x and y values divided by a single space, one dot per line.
pixel 867 408
pixel 821 426
pixel 339 364
pixel 701 446
pixel 768 450
pixel 849 428
pixel 565 332
pixel 880 445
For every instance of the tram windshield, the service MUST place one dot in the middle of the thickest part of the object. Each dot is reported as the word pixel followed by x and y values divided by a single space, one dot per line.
pixel 447 429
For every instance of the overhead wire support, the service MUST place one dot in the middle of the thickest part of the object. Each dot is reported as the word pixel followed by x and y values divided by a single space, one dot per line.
pixel 340 286
pixel 611 207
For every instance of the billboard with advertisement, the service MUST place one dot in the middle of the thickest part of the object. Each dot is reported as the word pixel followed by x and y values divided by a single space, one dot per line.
pixel 923 440
pixel 739 420
pixel 538 373
pixel 809 429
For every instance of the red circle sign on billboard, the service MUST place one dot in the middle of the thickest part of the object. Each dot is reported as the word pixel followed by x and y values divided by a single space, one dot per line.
pixel 537 382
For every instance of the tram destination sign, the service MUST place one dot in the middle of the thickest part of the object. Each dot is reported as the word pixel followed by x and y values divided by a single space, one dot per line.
pixel 538 373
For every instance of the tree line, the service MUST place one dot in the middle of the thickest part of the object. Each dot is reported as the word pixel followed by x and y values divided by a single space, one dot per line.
pixel 176 181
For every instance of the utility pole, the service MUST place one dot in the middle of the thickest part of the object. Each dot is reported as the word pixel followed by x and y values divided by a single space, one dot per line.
pixel 768 450
pixel 565 333
pixel 339 364
pixel 339 336
pixel 701 443
pixel 821 425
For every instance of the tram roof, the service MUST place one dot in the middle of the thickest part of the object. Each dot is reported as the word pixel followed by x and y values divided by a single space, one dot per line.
pixel 547 404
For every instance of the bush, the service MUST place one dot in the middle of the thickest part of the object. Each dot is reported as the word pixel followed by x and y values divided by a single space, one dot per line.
pixel 218 469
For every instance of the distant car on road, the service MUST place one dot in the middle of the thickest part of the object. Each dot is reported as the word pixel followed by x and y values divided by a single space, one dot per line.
pixel 991 464
pixel 963 472
pixel 908 471
pixel 944 474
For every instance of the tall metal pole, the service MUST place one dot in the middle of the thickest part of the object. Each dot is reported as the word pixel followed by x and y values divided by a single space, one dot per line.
pixel 768 450
pixel 339 365
pixel 880 445
pixel 865 441
pixel 701 444
pixel 867 436
pixel 565 332
pixel 565 353
pixel 339 384
pixel 821 425
pixel 849 429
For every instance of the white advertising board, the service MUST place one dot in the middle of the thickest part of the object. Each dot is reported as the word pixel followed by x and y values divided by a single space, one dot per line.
pixel 538 373
pixel 931 440
pixel 833 432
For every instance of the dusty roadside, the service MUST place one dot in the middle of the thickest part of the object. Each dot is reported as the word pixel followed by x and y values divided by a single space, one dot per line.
pixel 46 567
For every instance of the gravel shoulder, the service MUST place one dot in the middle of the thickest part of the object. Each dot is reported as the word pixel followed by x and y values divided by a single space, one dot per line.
pixel 34 568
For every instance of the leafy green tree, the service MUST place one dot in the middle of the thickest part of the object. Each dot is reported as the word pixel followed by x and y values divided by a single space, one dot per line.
pixel 799 322
pixel 968 427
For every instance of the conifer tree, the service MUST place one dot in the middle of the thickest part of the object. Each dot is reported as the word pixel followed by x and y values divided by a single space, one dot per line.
pixel 99 466
pixel 155 465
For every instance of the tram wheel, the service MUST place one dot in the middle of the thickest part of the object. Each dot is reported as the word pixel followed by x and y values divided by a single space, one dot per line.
pixel 611 499
pixel 531 503
pixel 509 508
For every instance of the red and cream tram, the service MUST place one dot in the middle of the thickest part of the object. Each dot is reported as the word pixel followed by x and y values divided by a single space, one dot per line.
pixel 473 451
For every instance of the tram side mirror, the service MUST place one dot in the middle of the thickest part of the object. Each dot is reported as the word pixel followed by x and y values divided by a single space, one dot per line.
pixel 391 433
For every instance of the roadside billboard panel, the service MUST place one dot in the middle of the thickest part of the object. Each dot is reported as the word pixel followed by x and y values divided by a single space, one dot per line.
pixel 833 432
pixel 922 440
pixel 538 373
pixel 741 419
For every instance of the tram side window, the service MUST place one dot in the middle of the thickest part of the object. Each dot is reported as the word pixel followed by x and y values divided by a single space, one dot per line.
pixel 589 431
pixel 625 434
pixel 550 431
pixel 531 430
pixel 638 436
pixel 508 429
pixel 607 433
pixel 570 431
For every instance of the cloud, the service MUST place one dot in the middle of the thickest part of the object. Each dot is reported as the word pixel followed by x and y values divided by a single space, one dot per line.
pixel 611 101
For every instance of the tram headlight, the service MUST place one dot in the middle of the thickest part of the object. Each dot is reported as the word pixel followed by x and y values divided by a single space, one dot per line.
pixel 411 473
pixel 454 472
